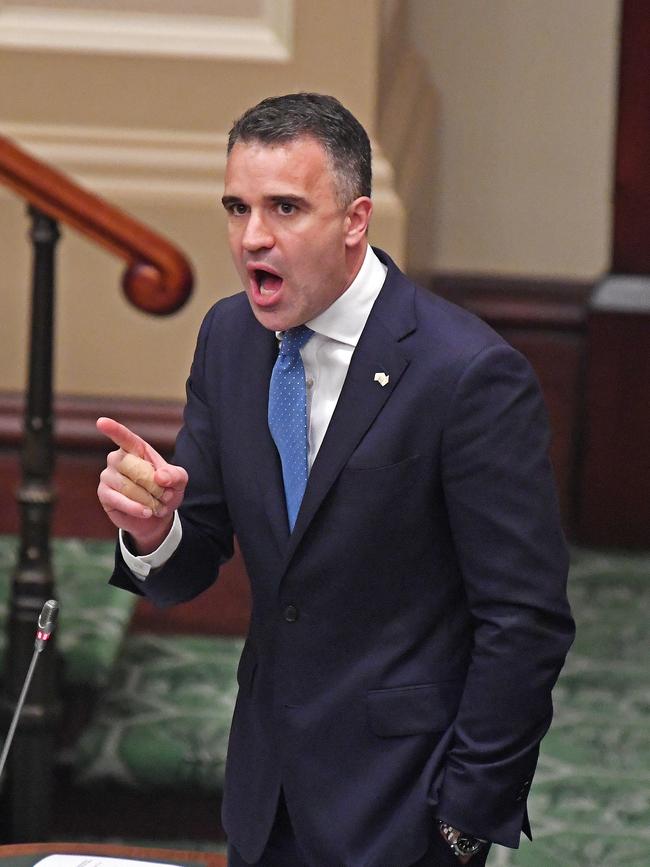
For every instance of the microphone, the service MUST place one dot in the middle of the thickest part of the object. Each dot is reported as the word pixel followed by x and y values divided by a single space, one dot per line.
pixel 46 623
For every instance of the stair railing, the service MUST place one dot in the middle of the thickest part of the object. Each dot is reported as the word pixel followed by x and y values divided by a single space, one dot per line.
pixel 158 280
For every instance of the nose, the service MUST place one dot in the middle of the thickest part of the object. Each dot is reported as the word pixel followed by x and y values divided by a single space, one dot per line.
pixel 257 235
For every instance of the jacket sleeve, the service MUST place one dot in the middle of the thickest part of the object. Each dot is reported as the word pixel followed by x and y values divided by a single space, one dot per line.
pixel 207 539
pixel 503 514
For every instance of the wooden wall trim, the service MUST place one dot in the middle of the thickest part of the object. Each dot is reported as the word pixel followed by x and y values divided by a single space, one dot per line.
pixel 514 302
pixel 156 421
pixel 80 455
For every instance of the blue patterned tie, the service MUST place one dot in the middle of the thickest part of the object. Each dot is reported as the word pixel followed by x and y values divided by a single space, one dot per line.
pixel 288 416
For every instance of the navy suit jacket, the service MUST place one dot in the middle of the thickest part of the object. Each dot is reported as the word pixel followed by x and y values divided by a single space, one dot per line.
pixel 405 637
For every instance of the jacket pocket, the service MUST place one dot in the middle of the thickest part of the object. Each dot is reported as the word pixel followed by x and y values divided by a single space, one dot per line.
pixel 412 710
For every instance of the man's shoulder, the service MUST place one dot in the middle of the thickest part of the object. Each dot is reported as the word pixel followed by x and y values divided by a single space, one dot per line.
pixel 450 322
pixel 440 324
pixel 232 307
pixel 228 328
pixel 229 316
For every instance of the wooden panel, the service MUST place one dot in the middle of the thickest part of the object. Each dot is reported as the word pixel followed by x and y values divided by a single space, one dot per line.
pixel 156 421
pixel 511 302
pixel 81 455
pixel 77 511
pixel 615 483
pixel 631 253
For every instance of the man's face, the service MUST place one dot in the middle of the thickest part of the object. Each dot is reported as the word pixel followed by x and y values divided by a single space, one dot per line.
pixel 295 247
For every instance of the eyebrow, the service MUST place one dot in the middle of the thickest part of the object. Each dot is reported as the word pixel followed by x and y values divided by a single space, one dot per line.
pixel 226 201
pixel 294 200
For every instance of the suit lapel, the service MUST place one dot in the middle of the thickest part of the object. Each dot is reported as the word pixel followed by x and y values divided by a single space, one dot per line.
pixel 362 398
pixel 258 360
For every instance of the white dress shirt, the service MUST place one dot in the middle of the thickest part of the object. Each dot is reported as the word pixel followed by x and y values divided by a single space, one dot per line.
pixel 326 359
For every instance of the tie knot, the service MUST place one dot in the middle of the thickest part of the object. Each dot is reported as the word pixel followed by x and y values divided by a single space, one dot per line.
pixel 294 339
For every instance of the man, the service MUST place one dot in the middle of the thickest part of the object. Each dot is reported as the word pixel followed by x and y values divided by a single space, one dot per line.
pixel 386 475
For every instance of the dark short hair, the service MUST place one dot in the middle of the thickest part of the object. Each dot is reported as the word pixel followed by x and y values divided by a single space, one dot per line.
pixel 281 119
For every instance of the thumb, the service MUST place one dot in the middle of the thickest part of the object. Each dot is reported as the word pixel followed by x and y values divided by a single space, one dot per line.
pixel 170 476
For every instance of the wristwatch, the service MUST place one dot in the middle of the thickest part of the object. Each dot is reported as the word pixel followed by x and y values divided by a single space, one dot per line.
pixel 459 842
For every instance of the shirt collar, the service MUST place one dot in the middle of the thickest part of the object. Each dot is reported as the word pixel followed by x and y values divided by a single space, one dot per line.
pixel 345 319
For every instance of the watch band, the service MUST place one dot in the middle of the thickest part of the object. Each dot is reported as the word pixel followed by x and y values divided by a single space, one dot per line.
pixel 459 842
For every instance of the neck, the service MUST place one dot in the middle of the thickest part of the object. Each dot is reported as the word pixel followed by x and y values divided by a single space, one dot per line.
pixel 355 261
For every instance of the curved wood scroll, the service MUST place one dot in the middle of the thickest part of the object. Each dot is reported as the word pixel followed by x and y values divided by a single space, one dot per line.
pixel 158 278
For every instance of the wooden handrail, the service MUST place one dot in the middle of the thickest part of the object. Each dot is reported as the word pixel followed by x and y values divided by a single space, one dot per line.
pixel 158 278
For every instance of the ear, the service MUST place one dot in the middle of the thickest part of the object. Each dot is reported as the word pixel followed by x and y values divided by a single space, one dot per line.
pixel 357 218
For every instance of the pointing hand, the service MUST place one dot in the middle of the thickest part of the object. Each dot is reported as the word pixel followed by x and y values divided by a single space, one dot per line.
pixel 138 489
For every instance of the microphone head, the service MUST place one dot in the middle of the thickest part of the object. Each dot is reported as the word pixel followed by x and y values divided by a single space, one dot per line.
pixel 46 623
pixel 48 616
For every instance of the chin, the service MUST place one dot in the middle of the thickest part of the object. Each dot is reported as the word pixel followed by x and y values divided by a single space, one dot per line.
pixel 274 320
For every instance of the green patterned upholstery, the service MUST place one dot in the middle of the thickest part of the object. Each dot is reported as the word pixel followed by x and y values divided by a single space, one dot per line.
pixel 165 718
pixel 93 616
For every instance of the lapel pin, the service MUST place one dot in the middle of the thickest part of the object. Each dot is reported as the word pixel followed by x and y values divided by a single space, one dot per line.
pixel 382 378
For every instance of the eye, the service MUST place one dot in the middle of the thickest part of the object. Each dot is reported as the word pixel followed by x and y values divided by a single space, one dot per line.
pixel 237 209
pixel 286 208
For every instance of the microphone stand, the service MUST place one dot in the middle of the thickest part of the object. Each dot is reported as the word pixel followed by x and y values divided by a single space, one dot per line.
pixel 46 624
pixel 17 712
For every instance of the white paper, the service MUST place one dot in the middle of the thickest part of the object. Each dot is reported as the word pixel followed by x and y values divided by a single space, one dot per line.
pixel 83 860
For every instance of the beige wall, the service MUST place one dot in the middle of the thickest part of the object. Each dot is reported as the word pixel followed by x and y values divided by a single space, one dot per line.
pixel 513 177
pixel 143 122
pixel 521 165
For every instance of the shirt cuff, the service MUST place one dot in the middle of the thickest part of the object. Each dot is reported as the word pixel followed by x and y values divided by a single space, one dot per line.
pixel 142 565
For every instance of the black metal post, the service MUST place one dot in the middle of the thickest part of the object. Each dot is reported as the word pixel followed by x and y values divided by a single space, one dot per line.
pixel 29 785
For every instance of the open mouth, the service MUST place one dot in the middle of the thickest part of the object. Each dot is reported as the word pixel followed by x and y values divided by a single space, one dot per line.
pixel 266 284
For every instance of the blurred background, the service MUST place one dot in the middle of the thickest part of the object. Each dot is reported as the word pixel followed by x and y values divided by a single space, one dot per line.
pixel 511 143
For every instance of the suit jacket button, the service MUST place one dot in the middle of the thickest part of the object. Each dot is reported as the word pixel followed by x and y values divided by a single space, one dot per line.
pixel 291 613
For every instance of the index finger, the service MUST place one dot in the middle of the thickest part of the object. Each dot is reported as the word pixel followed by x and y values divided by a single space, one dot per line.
pixel 122 436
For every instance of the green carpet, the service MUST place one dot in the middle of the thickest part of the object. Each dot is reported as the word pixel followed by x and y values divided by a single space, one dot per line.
pixel 590 801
